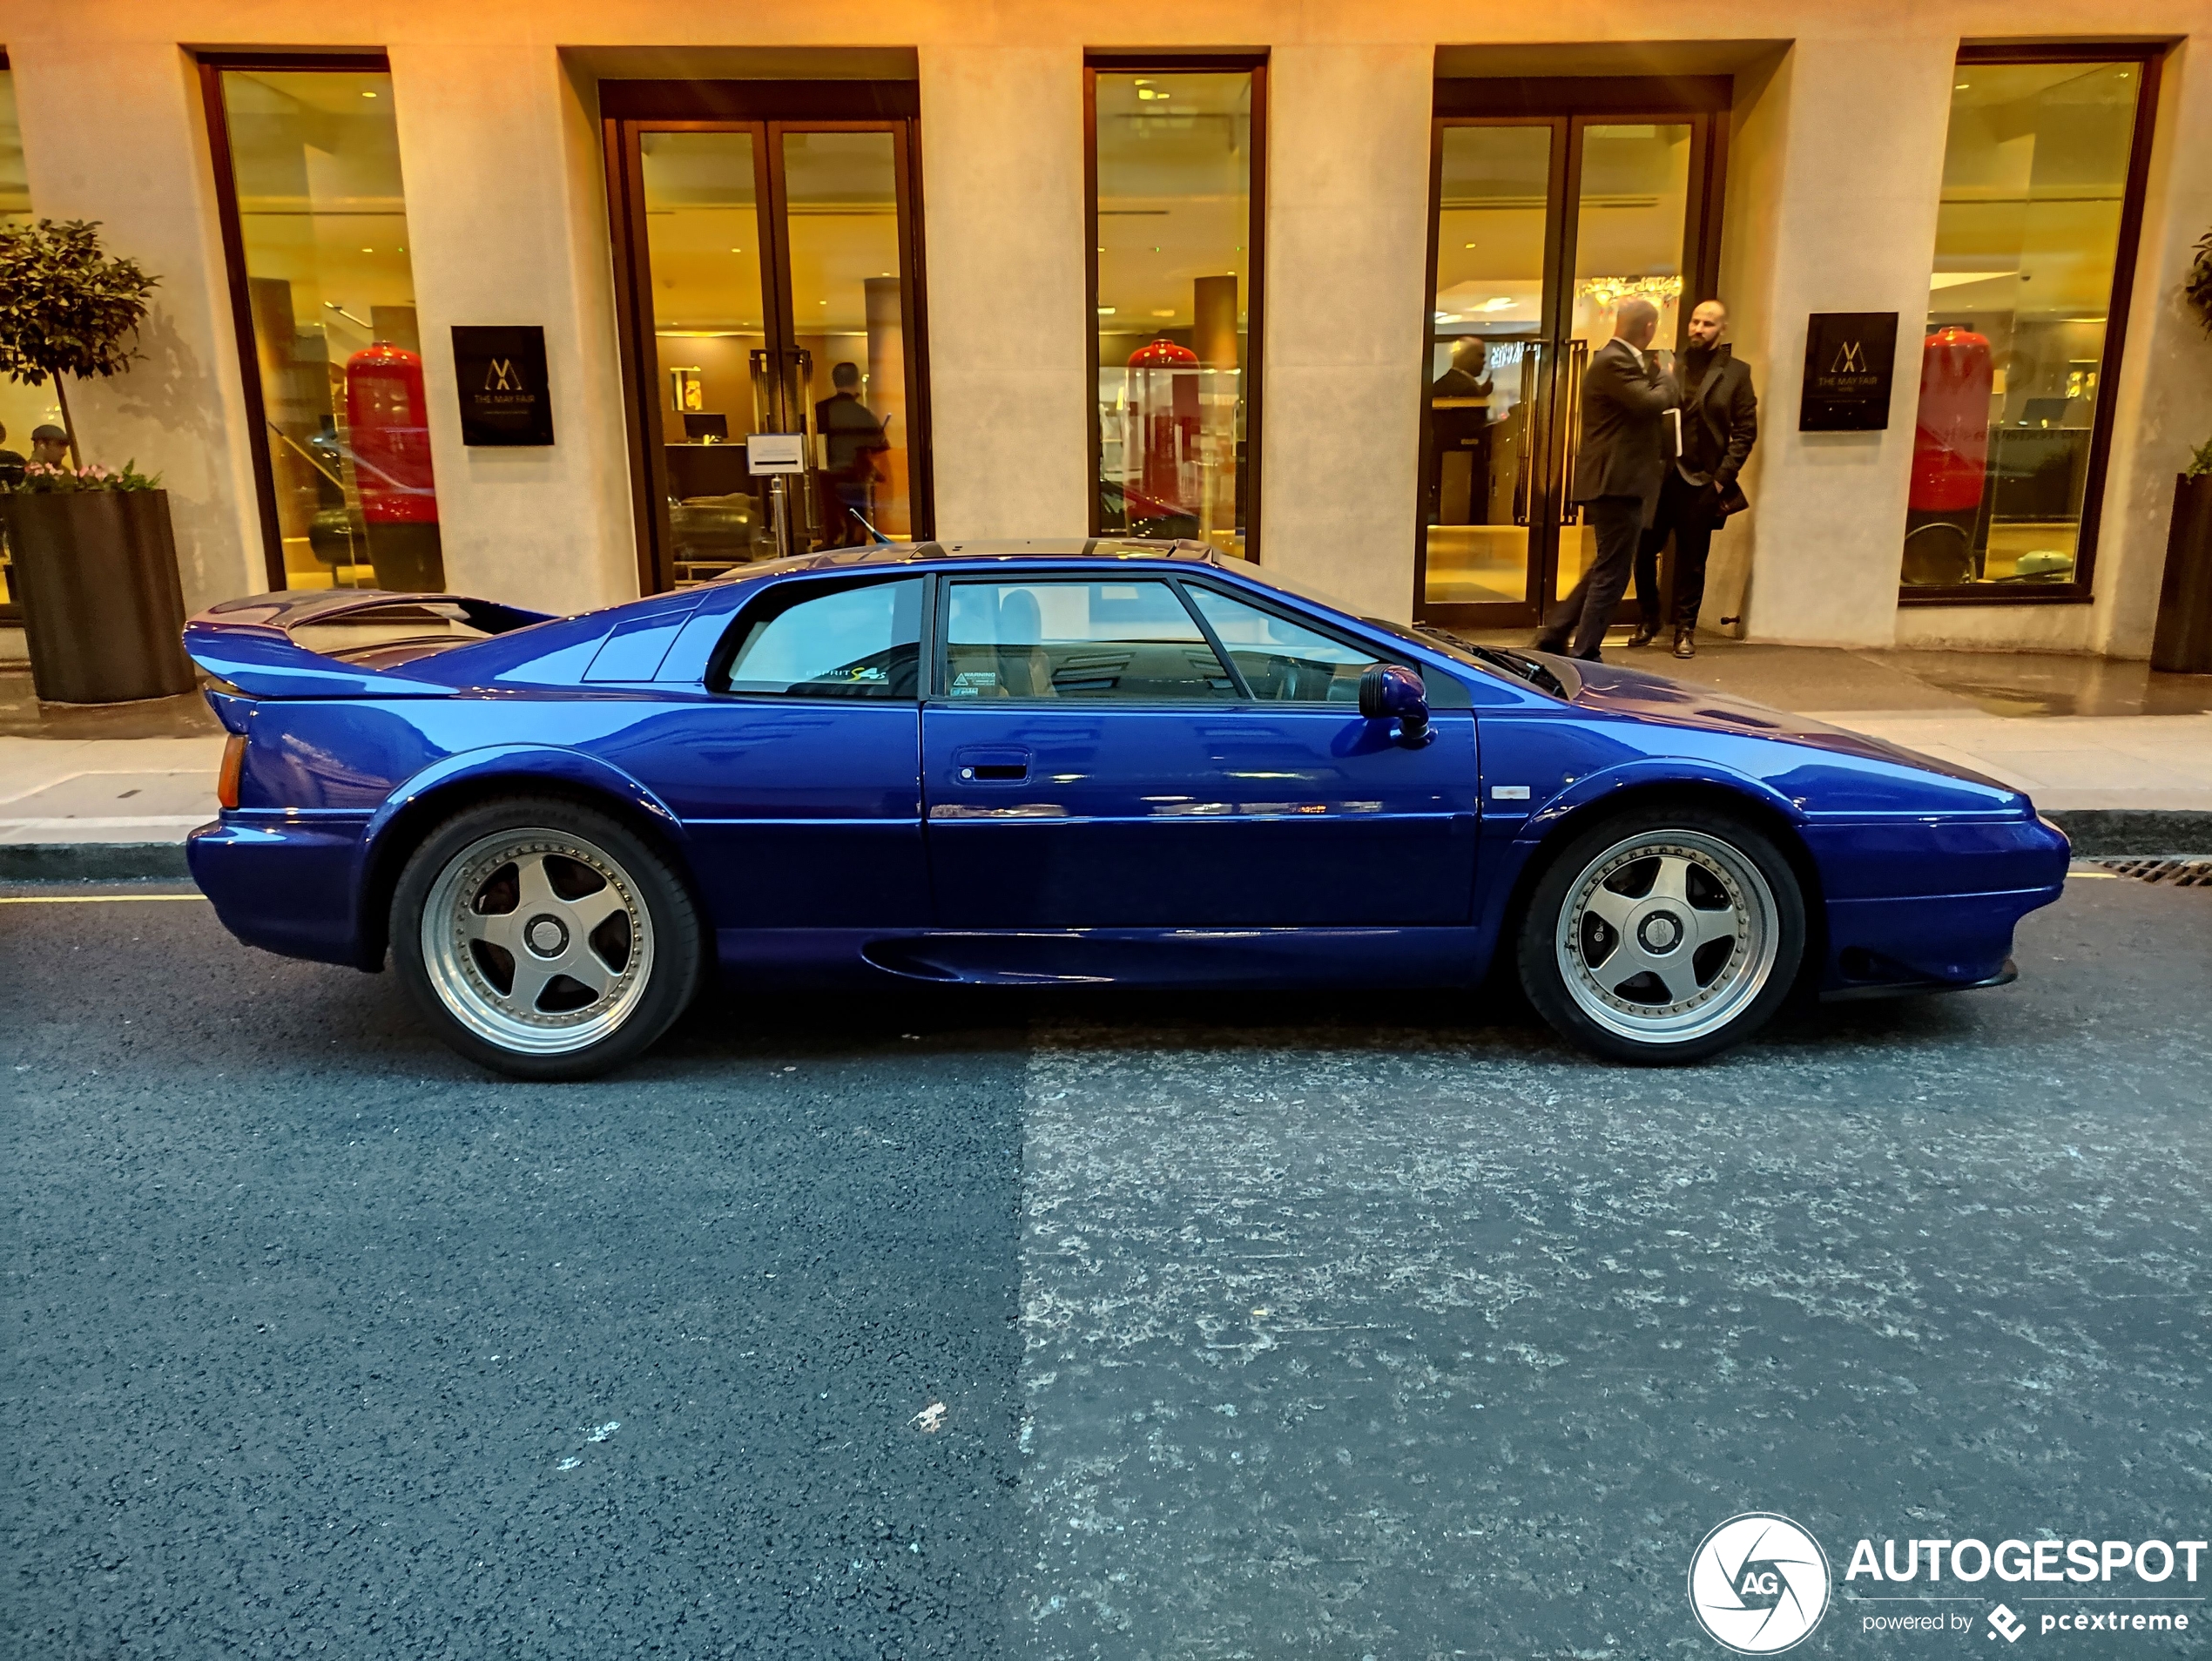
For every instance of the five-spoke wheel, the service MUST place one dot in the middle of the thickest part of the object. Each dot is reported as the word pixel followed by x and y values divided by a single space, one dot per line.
pixel 1663 936
pixel 548 938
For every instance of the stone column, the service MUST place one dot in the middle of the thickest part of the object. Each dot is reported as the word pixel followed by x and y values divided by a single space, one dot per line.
pixel 507 223
pixel 1836 165
pixel 148 181
pixel 1002 165
pixel 1347 248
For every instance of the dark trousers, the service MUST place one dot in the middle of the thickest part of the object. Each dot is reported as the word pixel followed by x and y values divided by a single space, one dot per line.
pixel 1686 510
pixel 1588 610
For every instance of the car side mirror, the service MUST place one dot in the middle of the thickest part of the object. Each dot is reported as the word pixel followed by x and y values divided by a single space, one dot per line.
pixel 1390 691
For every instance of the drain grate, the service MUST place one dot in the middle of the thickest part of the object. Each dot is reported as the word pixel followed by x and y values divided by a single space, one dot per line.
pixel 2182 874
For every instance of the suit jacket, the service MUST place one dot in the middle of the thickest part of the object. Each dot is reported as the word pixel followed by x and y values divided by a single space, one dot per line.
pixel 1720 421
pixel 1624 449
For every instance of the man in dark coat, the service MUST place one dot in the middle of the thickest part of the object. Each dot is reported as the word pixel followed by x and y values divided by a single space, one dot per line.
pixel 1618 467
pixel 1720 422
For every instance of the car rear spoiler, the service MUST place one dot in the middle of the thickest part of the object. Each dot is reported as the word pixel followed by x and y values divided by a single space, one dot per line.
pixel 248 643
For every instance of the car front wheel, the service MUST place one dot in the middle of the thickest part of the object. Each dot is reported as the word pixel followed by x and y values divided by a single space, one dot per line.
pixel 544 939
pixel 1663 936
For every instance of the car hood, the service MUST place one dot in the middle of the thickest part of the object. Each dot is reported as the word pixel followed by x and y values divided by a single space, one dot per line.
pixel 1618 689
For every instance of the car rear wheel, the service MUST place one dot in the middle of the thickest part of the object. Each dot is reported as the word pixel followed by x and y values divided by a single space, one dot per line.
pixel 545 939
pixel 1663 936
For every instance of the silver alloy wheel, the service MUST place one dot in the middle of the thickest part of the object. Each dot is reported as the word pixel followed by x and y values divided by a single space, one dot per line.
pixel 1667 935
pixel 517 940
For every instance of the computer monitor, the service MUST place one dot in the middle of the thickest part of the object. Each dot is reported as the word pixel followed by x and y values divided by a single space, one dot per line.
pixel 706 427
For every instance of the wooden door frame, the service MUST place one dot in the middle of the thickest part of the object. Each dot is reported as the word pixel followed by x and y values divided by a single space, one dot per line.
pixel 768 109
pixel 1569 105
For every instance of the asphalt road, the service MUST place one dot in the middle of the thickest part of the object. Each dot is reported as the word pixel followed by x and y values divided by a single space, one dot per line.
pixel 1102 1327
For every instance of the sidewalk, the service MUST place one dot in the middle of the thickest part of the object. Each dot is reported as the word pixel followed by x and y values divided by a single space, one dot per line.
pixel 2120 756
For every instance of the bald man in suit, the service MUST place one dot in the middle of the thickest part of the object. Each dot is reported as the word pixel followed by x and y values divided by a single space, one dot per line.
pixel 1618 468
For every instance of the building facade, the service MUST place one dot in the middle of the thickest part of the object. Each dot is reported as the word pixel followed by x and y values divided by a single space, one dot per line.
pixel 1312 283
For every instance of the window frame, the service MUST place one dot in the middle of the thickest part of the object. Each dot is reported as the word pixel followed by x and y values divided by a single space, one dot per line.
pixel 1254 369
pixel 10 608
pixel 2149 58
pixel 790 594
pixel 211 66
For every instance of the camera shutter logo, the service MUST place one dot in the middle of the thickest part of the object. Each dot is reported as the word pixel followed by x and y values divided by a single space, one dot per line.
pixel 1759 1584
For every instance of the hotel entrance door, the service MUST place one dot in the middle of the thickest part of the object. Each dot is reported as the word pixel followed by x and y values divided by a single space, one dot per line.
pixel 1554 202
pixel 770 271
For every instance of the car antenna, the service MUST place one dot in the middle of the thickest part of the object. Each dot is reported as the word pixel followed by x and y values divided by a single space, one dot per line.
pixel 880 539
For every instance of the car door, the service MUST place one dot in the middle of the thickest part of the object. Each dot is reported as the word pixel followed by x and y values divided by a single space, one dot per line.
pixel 797 771
pixel 1092 760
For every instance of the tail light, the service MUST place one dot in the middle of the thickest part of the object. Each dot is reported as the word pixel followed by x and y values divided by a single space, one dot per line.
pixel 233 765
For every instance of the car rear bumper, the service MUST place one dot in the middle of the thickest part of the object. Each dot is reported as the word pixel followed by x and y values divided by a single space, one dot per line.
pixel 284 883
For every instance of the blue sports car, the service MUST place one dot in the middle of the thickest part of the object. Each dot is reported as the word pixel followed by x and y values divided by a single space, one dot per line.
pixel 1136 763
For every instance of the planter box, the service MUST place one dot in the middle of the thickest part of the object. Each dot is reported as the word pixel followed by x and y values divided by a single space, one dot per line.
pixel 2182 644
pixel 103 611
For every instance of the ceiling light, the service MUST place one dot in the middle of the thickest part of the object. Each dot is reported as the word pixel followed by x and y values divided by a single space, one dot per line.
pixel 1166 313
pixel 369 95
pixel 737 251
pixel 1467 245
pixel 1960 87
pixel 1105 311
pixel 1498 303
pixel 1445 317
pixel 369 251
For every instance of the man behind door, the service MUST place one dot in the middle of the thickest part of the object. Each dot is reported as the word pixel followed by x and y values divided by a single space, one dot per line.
pixel 1618 467
pixel 1720 422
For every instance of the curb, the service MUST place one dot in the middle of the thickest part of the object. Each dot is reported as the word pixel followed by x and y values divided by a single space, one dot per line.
pixel 2096 833
pixel 2104 833
pixel 93 861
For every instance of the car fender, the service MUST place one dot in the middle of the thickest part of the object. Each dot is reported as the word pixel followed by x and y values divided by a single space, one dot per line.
pixel 1643 772
pixel 522 764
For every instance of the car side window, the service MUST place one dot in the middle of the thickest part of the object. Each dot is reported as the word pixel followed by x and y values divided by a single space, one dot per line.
pixel 863 642
pixel 1280 660
pixel 1126 641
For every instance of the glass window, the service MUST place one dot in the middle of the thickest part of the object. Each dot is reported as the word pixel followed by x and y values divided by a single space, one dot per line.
pixel 841 203
pixel 22 408
pixel 849 642
pixel 1631 230
pixel 1172 270
pixel 1129 641
pixel 2028 260
pixel 320 221
pixel 1487 345
pixel 711 341
pixel 1281 659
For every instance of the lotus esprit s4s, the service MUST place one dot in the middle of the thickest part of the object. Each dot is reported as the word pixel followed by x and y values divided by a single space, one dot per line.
pixel 1126 762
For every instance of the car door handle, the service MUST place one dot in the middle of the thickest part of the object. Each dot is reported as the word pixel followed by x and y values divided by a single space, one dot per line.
pixel 992 764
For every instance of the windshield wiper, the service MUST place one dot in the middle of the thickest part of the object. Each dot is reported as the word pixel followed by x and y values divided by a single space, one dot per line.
pixel 1513 663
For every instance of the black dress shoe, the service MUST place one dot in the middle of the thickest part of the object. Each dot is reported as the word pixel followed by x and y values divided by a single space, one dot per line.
pixel 1556 645
pixel 1645 635
pixel 1685 643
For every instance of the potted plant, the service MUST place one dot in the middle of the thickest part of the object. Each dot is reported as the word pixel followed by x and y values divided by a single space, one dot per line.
pixel 95 563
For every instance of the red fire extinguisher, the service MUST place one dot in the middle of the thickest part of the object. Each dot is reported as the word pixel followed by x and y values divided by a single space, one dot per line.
pixel 1951 438
pixel 1163 431
pixel 387 416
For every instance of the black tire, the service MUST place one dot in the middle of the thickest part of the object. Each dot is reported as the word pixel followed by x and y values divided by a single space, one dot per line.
pixel 1621 970
pixel 593 974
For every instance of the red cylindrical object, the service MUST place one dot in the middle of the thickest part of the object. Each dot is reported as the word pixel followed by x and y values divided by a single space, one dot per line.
pixel 1164 423
pixel 1950 437
pixel 388 422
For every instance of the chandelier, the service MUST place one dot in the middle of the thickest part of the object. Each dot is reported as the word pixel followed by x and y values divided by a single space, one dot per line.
pixel 1611 291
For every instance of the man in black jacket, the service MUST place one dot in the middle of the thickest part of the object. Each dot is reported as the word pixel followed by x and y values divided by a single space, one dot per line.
pixel 1618 467
pixel 1720 422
